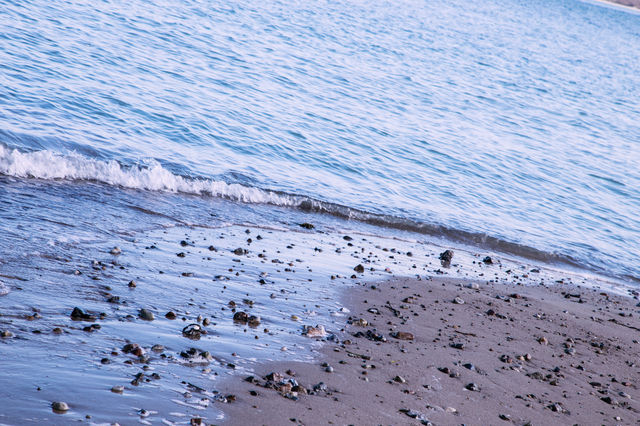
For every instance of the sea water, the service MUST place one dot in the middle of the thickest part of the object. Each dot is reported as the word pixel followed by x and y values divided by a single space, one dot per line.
pixel 503 128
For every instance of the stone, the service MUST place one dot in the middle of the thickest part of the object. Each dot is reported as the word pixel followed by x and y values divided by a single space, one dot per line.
pixel 399 379
pixel 157 348
pixel 473 286
pixel 307 225
pixel 59 406
pixel 314 332
pixel 206 322
pixel 5 334
pixel 117 389
pixel 193 331
pixel 146 315
pixel 253 321
pixel 458 301
pixel 472 387
pixel 487 260
pixel 79 315
pixel 359 268
pixel 170 315
pixel 240 251
pixel 446 256
pixel 402 335
pixel 115 251
pixel 241 317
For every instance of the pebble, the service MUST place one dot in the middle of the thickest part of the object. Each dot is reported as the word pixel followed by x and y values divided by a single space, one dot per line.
pixel 157 348
pixel 458 301
pixel 446 256
pixel 359 268
pixel 79 315
pixel 170 315
pixel 317 331
pixel 473 387
pixel 402 335
pixel 328 369
pixel 6 334
pixel 115 251
pixel 146 315
pixel 193 331
pixel 59 406
pixel 399 379
pixel 473 286
pixel 206 322
pixel 117 389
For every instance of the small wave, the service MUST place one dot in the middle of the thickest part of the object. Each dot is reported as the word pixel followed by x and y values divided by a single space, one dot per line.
pixel 50 165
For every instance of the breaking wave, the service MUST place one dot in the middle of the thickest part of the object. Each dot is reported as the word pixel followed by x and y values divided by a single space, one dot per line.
pixel 50 165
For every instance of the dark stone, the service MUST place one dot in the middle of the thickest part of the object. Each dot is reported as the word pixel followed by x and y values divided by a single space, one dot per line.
pixel 79 315
pixel 359 269
pixel 487 260
pixel 307 225
pixel 446 256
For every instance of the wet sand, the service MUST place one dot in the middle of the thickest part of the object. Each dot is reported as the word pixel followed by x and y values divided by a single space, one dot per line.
pixel 510 354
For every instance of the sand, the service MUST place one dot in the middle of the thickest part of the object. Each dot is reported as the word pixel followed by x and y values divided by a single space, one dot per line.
pixel 535 355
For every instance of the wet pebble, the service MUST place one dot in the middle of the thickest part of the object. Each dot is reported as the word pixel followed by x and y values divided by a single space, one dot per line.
pixel 59 406
pixel 146 315
pixel 117 389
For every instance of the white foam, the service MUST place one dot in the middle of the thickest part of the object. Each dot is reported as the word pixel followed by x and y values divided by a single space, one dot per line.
pixel 73 166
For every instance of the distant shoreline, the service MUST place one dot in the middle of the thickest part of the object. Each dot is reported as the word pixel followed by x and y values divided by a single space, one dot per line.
pixel 628 4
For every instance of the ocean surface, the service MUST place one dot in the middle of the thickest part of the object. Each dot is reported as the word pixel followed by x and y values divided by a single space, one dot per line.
pixel 510 125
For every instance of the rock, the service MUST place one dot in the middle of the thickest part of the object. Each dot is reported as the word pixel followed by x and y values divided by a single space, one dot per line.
pixel 206 322
pixel 469 366
pixel 487 260
pixel 253 321
pixel 193 331
pixel 117 389
pixel 157 348
pixel 473 286
pixel 196 356
pixel 314 332
pixel 402 335
pixel 472 387
pixel 307 225
pixel 347 238
pixel 241 317
pixel 5 334
pixel 115 251
pixel 57 330
pixel 506 359
pixel 183 243
pixel 399 379
pixel 170 315
pixel 146 315
pixel 446 256
pixel 458 301
pixel 181 254
pixel 132 284
pixel 79 315
pixel 361 322
pixel 543 341
pixel 133 348
pixel 556 407
pixel 59 406
pixel 328 369
pixel 240 251
pixel 459 346
pixel 359 269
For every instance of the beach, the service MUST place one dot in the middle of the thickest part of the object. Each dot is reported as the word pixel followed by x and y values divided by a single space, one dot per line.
pixel 356 327
pixel 509 354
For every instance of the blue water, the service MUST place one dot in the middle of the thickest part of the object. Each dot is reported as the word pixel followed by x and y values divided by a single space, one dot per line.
pixel 506 123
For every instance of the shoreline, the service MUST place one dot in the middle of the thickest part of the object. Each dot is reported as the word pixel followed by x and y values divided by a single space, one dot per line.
pixel 558 354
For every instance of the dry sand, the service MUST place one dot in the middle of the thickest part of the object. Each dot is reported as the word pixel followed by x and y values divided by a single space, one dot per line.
pixel 530 355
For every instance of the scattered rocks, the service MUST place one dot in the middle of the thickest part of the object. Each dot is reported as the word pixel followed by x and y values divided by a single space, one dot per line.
pixel 196 356
pixel 244 318
pixel 133 349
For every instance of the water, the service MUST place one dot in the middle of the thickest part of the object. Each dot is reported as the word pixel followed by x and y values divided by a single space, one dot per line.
pixel 511 123
pixel 509 129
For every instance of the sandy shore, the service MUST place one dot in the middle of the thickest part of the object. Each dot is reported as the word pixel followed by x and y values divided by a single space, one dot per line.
pixel 466 353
